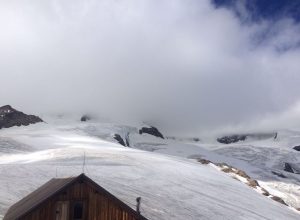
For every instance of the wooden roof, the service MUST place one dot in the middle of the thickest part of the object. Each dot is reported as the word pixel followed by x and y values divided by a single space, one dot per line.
pixel 52 188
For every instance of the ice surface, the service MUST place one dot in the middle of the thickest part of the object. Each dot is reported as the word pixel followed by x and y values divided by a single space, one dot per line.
pixel 171 187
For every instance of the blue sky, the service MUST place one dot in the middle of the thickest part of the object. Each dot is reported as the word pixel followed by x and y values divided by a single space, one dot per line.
pixel 266 9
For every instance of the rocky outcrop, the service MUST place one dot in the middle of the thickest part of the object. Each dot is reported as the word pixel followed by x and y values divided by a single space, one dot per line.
pixel 278 199
pixel 10 117
pixel 127 139
pixel 265 192
pixel 243 174
pixel 297 148
pixel 120 140
pixel 232 139
pixel 123 140
pixel 85 118
pixel 152 131
pixel 203 161
pixel 288 168
pixel 253 183
pixel 229 139
pixel 237 174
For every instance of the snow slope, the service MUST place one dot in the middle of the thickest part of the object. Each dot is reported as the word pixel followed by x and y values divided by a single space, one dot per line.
pixel 257 157
pixel 171 187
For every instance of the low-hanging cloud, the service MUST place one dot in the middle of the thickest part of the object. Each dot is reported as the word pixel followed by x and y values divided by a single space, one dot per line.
pixel 185 64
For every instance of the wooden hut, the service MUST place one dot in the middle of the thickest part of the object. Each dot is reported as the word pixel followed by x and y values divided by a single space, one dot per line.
pixel 76 198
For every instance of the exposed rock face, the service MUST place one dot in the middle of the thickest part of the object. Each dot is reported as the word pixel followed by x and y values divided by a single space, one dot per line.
pixel 250 182
pixel 227 170
pixel 85 118
pixel 10 117
pixel 265 192
pixel 278 199
pixel 152 130
pixel 203 161
pixel 288 168
pixel 123 141
pixel 119 139
pixel 253 183
pixel 242 174
pixel 231 139
pixel 297 148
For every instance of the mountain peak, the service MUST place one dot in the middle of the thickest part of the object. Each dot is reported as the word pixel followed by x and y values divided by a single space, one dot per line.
pixel 10 117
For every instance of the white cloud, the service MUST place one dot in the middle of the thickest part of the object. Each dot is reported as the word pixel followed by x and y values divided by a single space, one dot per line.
pixel 183 63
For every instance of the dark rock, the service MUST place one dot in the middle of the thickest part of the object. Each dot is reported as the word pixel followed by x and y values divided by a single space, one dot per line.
pixel 203 161
pixel 232 139
pixel 278 199
pixel 253 183
pixel 10 117
pixel 152 130
pixel 127 139
pixel 297 148
pixel 288 168
pixel 85 118
pixel 243 174
pixel 119 139
pixel 279 174
pixel 229 139
pixel 196 139
pixel 228 170
pixel 265 192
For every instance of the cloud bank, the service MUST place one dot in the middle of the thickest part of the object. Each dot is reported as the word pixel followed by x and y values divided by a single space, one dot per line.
pixel 185 64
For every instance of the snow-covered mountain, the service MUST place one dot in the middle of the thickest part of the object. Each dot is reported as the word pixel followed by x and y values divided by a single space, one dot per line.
pixel 164 172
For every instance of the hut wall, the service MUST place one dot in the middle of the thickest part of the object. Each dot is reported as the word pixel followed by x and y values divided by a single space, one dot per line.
pixel 97 205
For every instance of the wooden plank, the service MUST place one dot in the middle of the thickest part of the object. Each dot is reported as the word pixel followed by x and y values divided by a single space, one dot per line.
pixel 96 205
